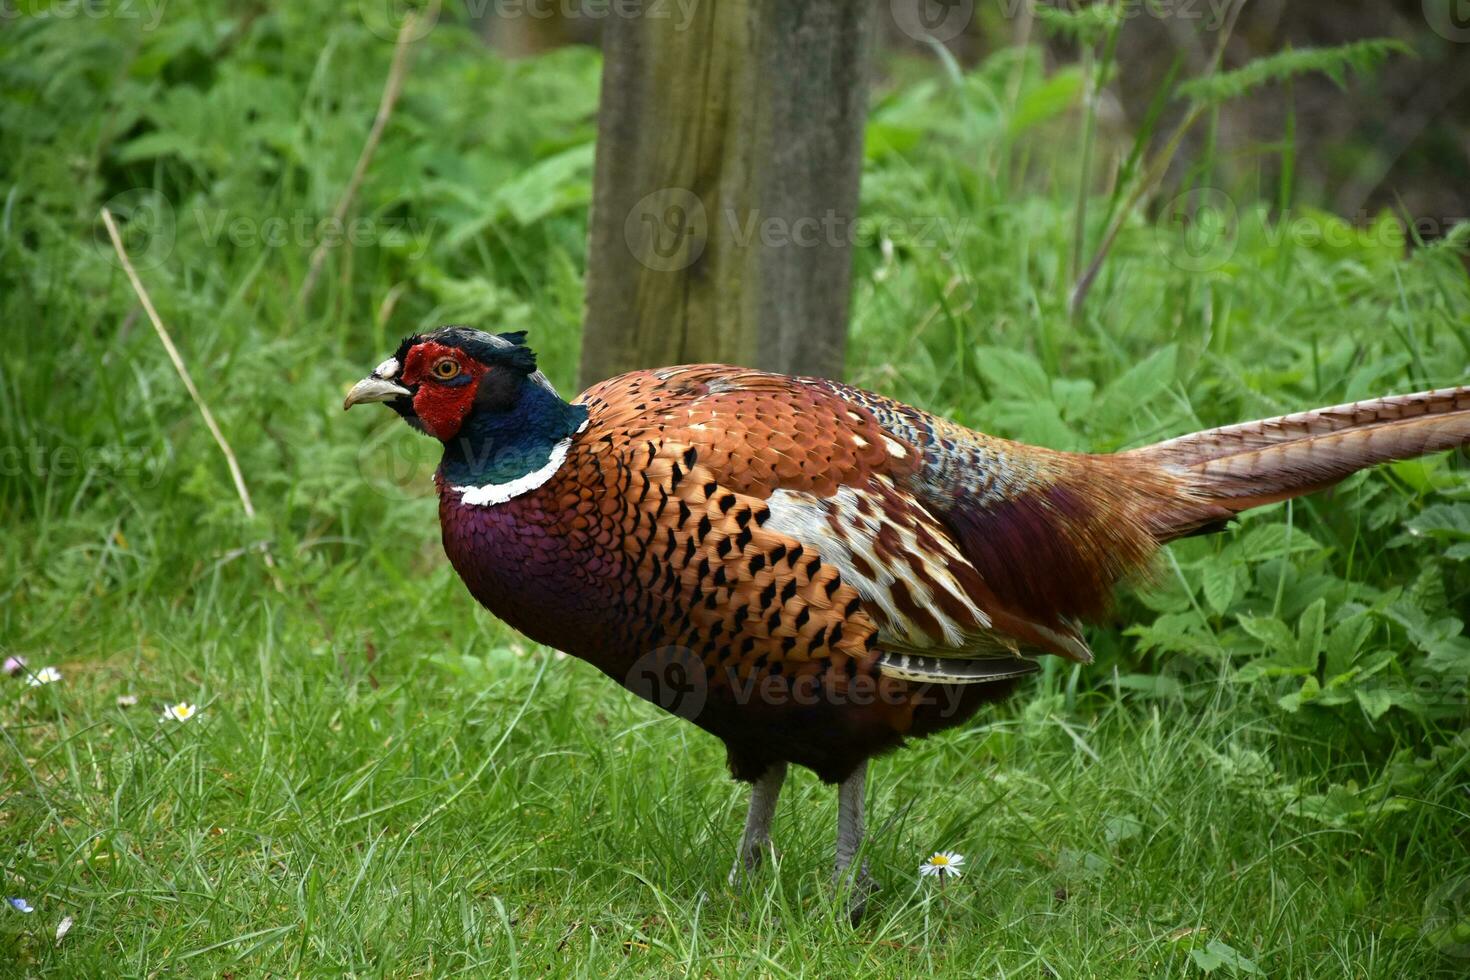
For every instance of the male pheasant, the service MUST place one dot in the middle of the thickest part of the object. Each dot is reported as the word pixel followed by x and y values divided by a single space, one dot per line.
pixel 809 571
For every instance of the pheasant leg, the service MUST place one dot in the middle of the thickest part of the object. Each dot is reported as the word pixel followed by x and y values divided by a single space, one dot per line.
pixel 757 839
pixel 849 839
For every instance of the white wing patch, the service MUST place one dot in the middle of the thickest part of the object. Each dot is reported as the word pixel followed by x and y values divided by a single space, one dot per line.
pixel 844 529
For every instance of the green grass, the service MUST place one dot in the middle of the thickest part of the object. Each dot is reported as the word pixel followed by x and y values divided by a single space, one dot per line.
pixel 1269 769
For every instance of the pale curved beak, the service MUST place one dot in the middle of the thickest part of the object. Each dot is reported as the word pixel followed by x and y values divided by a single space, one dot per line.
pixel 374 390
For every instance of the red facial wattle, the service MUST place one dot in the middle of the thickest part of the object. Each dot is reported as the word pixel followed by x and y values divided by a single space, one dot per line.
pixel 441 405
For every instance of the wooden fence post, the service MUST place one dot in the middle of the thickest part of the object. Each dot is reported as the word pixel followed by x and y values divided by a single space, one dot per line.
pixel 729 154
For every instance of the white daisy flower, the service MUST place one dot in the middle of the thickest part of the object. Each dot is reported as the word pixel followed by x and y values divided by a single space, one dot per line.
pixel 182 711
pixel 46 675
pixel 942 864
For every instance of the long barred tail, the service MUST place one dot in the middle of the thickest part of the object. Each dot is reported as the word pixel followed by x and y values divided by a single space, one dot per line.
pixel 1227 470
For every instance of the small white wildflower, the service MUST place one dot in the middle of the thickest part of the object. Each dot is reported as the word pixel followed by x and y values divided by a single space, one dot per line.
pixel 182 711
pixel 942 864
pixel 46 675
pixel 126 700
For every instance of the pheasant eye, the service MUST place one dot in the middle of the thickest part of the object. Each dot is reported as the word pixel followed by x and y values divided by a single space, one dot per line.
pixel 445 368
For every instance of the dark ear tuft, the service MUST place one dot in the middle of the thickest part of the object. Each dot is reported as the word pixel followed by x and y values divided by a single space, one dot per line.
pixel 520 358
pixel 517 356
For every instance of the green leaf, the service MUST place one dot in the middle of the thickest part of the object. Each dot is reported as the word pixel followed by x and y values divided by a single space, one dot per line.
pixel 1050 99
pixel 1418 473
pixel 1077 865
pixel 1179 632
pixel 1442 639
pixel 882 138
pixel 1073 396
pixel 1375 701
pixel 1138 385
pixel 1172 595
pixel 1307 693
pixel 1344 805
pixel 1275 540
pixel 1333 698
pixel 558 183
pixel 156 144
pixel 1346 640
pixel 1036 422
pixel 1217 954
pixel 1120 828
pixel 1309 635
pixel 1219 586
pixel 1289 653
pixel 1442 522
pixel 1013 372
pixel 1272 632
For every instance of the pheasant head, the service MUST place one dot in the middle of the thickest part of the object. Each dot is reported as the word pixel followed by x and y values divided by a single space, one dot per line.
pixel 481 395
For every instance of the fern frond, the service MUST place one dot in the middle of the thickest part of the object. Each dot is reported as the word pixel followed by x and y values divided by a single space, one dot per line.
pixel 1359 57
pixel 1084 25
